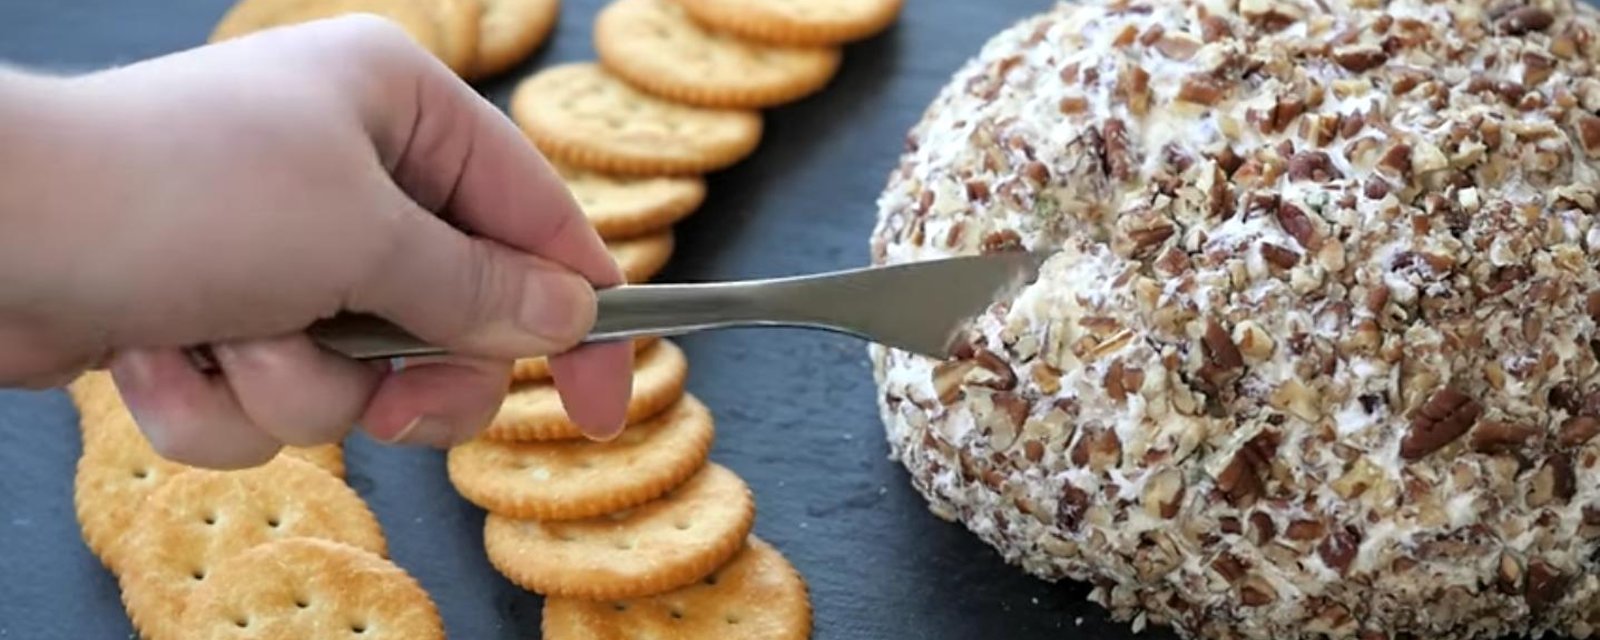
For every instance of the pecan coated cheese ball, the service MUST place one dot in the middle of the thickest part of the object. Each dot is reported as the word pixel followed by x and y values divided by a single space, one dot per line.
pixel 1317 355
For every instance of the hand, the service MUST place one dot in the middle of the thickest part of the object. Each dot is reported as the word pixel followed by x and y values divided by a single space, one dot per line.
pixel 233 194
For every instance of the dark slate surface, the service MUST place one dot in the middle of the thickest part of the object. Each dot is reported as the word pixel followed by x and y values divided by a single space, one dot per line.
pixel 795 410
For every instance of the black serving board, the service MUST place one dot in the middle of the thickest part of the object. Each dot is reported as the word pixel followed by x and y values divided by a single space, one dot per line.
pixel 795 410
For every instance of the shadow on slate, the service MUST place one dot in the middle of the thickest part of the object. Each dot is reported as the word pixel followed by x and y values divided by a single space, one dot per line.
pixel 795 411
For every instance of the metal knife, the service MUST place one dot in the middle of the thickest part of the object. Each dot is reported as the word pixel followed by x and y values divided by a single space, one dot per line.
pixel 921 307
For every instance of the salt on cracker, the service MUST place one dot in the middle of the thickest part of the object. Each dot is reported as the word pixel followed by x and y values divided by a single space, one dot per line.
pixel 538 369
pixel 446 28
pixel 644 257
pixel 570 479
pixel 581 114
pixel 118 469
pixel 758 595
pixel 787 22
pixel 621 207
pixel 200 518
pixel 654 45
pixel 510 30
pixel 533 411
pixel 661 545
pixel 305 588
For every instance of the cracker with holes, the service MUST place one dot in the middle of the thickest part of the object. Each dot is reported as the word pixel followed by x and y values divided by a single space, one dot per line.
pixel 580 114
pixel 570 479
pixel 533 411
pixel 621 207
pixel 446 28
pixel 664 544
pixel 201 517
pixel 644 257
pixel 310 588
pixel 654 45
pixel 118 469
pixel 758 595
pixel 538 369
pixel 786 22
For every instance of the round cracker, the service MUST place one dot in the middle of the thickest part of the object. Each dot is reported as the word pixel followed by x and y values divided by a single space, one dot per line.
pixel 535 412
pixel 787 22
pixel 758 595
pixel 538 369
pixel 655 46
pixel 297 588
pixel 574 479
pixel 446 28
pixel 580 114
pixel 644 257
pixel 622 207
pixel 659 546
pixel 201 517
pixel 510 30
pixel 118 468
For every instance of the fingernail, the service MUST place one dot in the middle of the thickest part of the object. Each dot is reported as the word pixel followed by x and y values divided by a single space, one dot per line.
pixel 556 306
pixel 425 431
pixel 602 433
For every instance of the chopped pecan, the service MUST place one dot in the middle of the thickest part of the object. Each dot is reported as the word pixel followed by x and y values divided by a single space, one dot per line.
pixel 1000 241
pixel 1554 482
pixel 1315 166
pixel 947 378
pixel 1149 237
pixel 1589 135
pixel 1202 89
pixel 1003 378
pixel 1214 28
pixel 1396 161
pixel 1071 507
pixel 1509 573
pixel 1242 480
pixel 1493 436
pixel 1178 46
pixel 1220 350
pixel 1118 164
pixel 1303 530
pixel 1375 188
pixel 1261 525
pixel 1525 19
pixel 1073 105
pixel 1443 418
pixel 978 190
pixel 1295 223
pixel 1339 549
pixel 1230 567
pixel 1163 493
pixel 1033 450
pixel 1361 57
pixel 1134 87
pixel 1256 592
pixel 1036 172
pixel 1578 430
pixel 1546 585
pixel 1279 256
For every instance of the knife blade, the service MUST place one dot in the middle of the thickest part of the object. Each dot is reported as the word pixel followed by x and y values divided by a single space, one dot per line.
pixel 921 307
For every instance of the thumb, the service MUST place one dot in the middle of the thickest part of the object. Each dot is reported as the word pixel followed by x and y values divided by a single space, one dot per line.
pixel 474 296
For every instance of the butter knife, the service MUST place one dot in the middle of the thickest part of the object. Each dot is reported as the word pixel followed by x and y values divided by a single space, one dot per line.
pixel 921 307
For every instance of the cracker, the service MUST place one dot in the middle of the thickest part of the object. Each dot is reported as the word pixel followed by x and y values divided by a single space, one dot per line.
pixel 118 469
pixel 659 546
pixel 305 588
pixel 538 369
pixel 446 28
pixel 581 114
pixel 654 45
pixel 644 257
pixel 534 411
pixel 758 595
pixel 785 22
pixel 621 207
pixel 509 31
pixel 573 479
pixel 95 395
pixel 200 518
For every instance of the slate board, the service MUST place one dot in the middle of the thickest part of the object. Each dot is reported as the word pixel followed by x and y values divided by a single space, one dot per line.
pixel 795 410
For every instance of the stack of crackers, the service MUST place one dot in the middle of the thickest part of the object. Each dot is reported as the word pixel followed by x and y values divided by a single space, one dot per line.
pixel 677 93
pixel 639 536
pixel 282 550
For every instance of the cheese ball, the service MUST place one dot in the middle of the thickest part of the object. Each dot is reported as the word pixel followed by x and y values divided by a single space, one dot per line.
pixel 1316 355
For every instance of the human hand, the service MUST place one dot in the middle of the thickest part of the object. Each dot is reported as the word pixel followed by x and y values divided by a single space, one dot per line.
pixel 232 195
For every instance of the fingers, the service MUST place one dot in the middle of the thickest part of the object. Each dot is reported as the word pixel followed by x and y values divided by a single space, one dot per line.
pixel 188 417
pixel 589 384
pixel 294 391
pixel 438 403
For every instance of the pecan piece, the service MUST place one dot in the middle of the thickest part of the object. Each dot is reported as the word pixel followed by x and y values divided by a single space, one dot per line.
pixel 1339 550
pixel 1502 437
pixel 1545 585
pixel 1242 480
pixel 1361 57
pixel 1443 418
pixel 1297 224
pixel 1201 89
pixel 1589 135
pixel 1220 350
pixel 1003 378
pixel 1002 240
pixel 1261 524
pixel 1315 166
pixel 1178 46
pixel 947 377
pixel 1279 256
pixel 1256 592
pixel 1303 530
pixel 1118 164
pixel 1071 507
pixel 1578 430
pixel 1525 19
